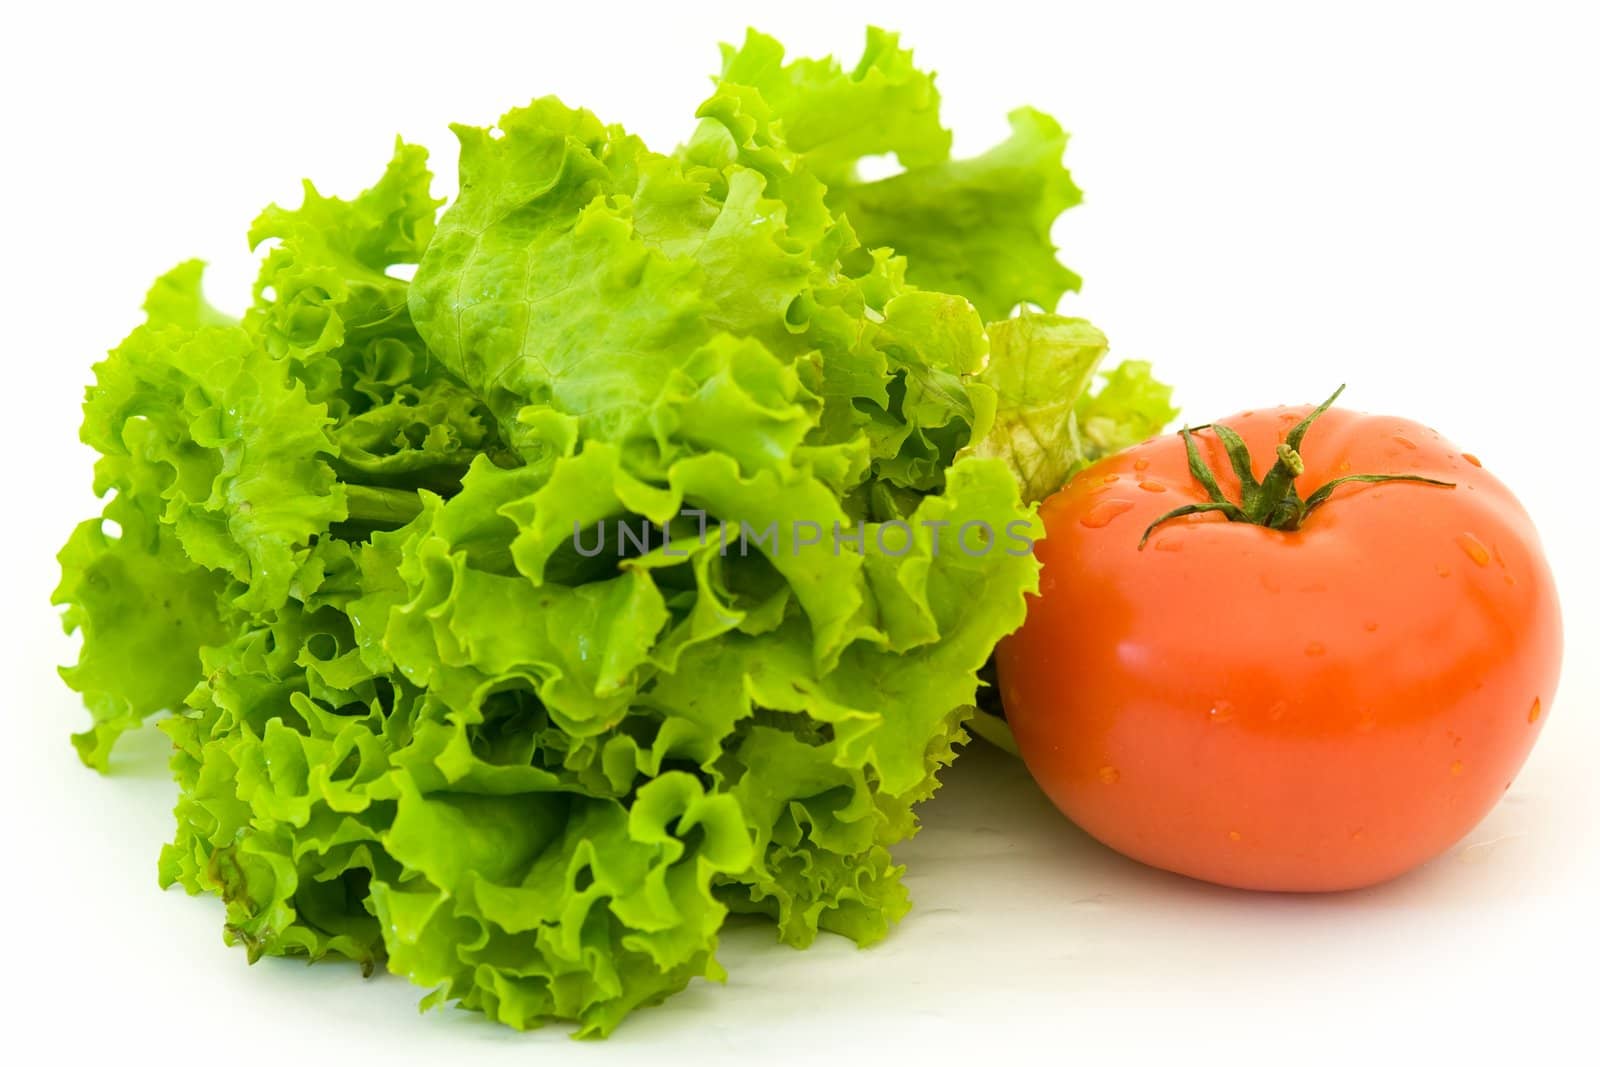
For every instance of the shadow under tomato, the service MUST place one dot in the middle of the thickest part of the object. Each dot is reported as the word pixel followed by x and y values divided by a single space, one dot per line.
pixel 990 808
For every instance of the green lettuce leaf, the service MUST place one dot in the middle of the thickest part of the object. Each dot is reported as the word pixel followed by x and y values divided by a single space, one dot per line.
pixel 1130 406
pixel 632 565
pixel 834 118
pixel 1038 413
pixel 979 227
pixel 1039 369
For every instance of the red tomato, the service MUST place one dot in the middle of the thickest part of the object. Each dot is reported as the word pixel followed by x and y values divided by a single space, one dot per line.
pixel 1286 709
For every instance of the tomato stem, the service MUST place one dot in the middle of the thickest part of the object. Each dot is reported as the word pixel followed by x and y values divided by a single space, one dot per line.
pixel 1273 502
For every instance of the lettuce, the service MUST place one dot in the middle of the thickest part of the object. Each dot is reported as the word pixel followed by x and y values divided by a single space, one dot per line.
pixel 425 715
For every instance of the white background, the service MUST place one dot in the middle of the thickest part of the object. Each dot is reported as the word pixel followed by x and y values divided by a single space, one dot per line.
pixel 1278 200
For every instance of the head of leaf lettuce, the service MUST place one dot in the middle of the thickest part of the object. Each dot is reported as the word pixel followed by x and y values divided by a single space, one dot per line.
pixel 410 725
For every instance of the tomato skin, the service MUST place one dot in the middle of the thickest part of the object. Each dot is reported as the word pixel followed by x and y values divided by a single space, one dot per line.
pixel 1317 709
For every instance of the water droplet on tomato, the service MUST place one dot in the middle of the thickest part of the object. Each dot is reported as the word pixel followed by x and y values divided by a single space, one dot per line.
pixel 1108 479
pixel 1474 549
pixel 1404 440
pixel 1234 835
pixel 1470 458
pixel 1535 711
pixel 1221 712
pixel 1152 487
pixel 1103 512
pixel 1110 775
pixel 1141 464
pixel 1357 834
pixel 1456 767
pixel 1169 544
pixel 1443 571
pixel 1372 627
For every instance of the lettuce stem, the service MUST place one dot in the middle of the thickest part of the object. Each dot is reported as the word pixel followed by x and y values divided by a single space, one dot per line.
pixel 378 506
